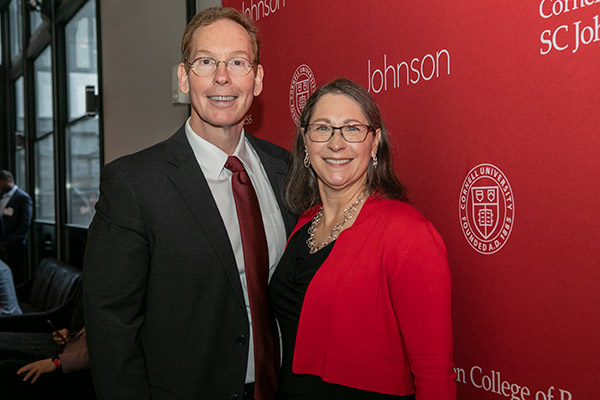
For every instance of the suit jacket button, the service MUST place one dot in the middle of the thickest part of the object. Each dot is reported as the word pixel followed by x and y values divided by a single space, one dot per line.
pixel 241 340
pixel 234 397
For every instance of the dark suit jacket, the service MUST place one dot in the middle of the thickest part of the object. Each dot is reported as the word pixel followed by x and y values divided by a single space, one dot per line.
pixel 164 307
pixel 16 226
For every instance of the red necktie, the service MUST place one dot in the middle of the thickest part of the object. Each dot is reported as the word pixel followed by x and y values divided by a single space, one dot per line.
pixel 256 262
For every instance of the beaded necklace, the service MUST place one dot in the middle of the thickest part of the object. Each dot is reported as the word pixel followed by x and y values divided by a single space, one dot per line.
pixel 336 230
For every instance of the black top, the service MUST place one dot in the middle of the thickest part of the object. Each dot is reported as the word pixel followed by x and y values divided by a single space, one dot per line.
pixel 286 294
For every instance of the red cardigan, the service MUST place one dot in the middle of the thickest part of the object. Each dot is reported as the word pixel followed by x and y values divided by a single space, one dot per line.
pixel 377 314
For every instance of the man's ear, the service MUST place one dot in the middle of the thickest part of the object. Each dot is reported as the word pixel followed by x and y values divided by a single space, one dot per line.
pixel 182 74
pixel 258 80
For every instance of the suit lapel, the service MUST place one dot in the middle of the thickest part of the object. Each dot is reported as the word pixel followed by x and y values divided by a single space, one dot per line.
pixel 276 169
pixel 13 198
pixel 194 190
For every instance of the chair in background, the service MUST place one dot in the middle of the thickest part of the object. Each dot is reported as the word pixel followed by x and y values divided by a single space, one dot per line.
pixel 48 295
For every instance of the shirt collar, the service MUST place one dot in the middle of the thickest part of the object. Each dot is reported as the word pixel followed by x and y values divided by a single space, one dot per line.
pixel 10 192
pixel 212 159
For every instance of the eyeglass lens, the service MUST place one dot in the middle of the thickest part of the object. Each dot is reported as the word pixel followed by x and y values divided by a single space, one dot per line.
pixel 351 133
pixel 204 66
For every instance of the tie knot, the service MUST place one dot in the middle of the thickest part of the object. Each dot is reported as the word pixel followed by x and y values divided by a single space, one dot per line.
pixel 234 164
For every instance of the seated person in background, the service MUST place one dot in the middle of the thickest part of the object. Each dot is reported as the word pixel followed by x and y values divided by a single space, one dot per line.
pixel 8 297
pixel 66 376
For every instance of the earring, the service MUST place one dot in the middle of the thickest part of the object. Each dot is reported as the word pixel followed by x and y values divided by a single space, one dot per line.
pixel 375 161
pixel 306 159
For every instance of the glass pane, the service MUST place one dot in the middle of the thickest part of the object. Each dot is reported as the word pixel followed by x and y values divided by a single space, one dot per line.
pixel 81 58
pixel 35 20
pixel 43 93
pixel 44 178
pixel 20 106
pixel 83 170
pixel 15 23
pixel 20 134
pixel 20 168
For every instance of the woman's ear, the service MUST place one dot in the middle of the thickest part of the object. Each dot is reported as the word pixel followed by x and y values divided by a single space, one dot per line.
pixel 376 142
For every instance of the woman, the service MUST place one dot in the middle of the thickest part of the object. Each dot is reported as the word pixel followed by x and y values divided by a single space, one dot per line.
pixel 65 376
pixel 362 292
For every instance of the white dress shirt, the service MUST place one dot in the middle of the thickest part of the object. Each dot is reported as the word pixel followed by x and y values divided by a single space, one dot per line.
pixel 6 198
pixel 212 162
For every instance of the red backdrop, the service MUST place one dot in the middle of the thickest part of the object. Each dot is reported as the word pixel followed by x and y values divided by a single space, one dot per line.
pixel 494 114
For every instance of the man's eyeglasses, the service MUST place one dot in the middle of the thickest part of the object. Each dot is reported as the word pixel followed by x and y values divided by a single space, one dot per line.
pixel 205 66
pixel 354 133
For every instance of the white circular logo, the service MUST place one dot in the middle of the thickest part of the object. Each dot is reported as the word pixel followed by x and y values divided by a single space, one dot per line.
pixel 486 208
pixel 303 84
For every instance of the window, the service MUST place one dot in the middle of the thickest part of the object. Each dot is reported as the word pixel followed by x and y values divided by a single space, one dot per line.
pixel 16 35
pixel 20 133
pixel 44 179
pixel 35 20
pixel 50 138
pixel 43 93
pixel 44 144
pixel 82 132
pixel 82 62
pixel 83 171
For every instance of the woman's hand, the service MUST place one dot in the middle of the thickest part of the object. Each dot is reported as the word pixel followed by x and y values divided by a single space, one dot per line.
pixel 61 336
pixel 36 369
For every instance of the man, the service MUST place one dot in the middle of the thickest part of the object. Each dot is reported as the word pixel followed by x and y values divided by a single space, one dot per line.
pixel 16 209
pixel 166 296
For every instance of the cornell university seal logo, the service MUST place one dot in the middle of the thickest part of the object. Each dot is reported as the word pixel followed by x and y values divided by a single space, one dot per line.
pixel 486 208
pixel 303 84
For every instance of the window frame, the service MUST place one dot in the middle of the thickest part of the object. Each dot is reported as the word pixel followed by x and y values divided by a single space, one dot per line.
pixel 47 238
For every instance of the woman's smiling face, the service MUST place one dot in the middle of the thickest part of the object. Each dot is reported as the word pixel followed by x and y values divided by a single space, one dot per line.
pixel 340 165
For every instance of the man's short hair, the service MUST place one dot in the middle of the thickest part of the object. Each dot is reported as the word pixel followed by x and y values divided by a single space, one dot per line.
pixel 213 14
pixel 6 176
